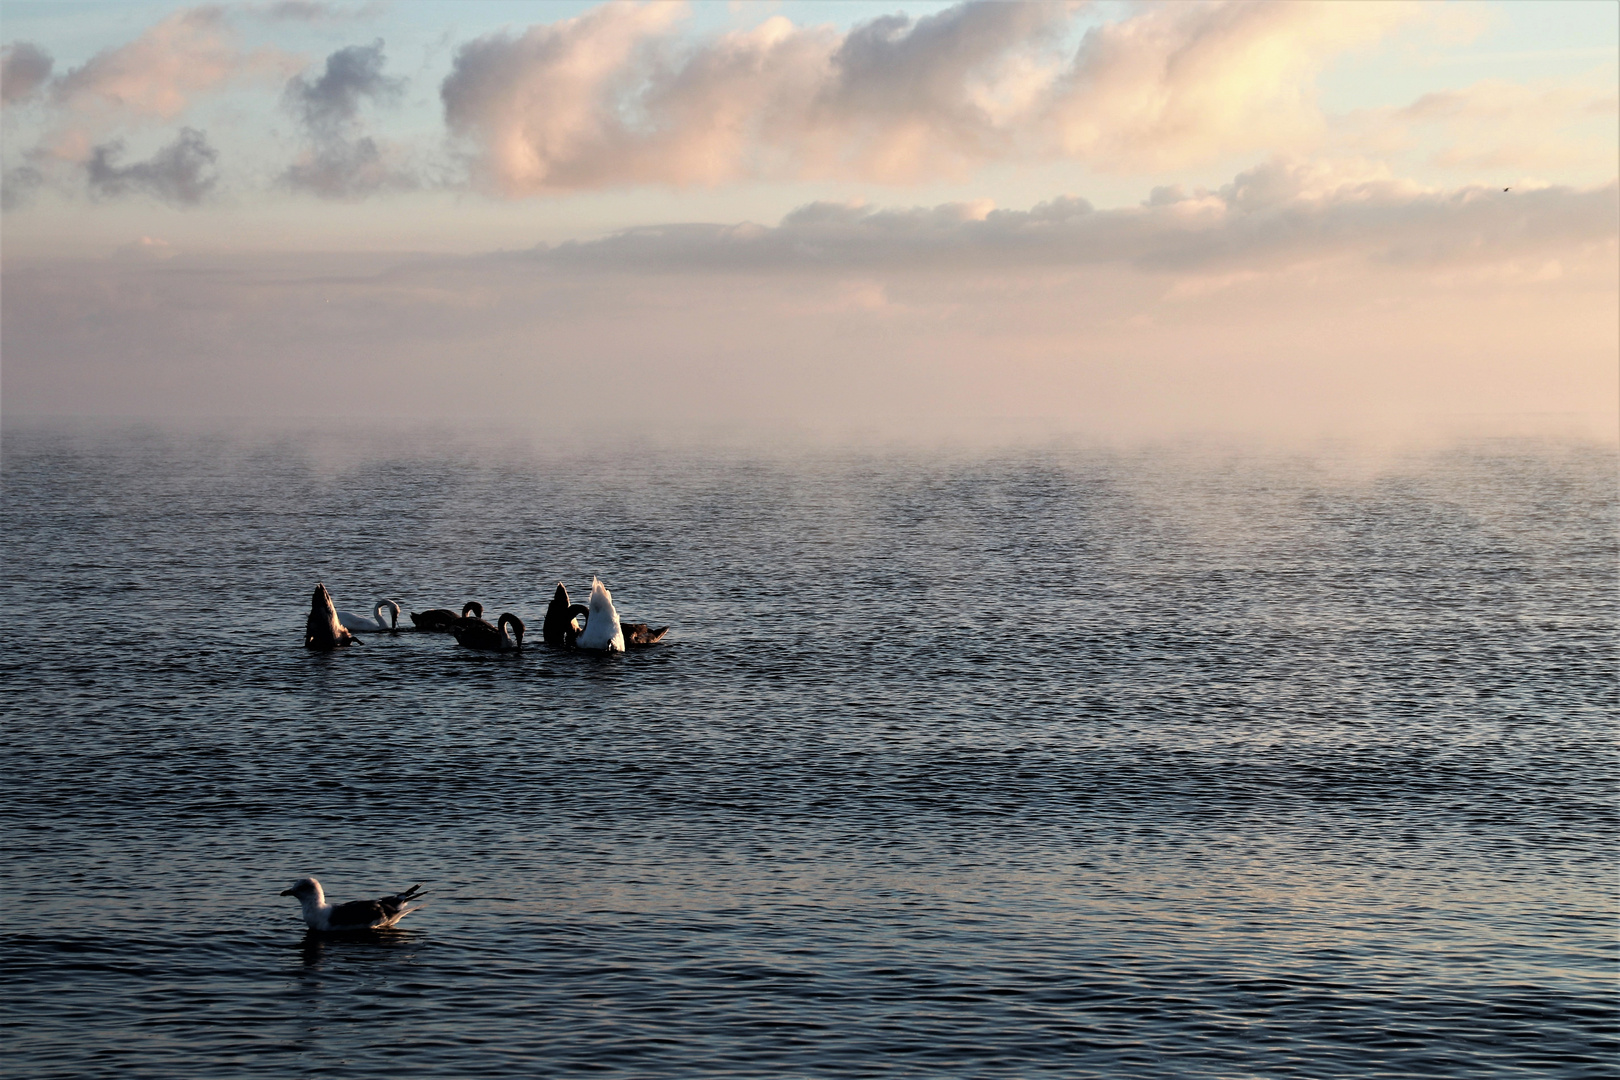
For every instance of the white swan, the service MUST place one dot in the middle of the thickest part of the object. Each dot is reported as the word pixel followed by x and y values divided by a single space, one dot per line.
pixel 376 624
pixel 602 630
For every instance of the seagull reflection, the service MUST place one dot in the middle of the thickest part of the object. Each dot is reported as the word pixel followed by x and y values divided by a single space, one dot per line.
pixel 358 945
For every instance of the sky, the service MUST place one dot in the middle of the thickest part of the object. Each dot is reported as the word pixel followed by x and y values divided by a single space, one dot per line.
pixel 1114 219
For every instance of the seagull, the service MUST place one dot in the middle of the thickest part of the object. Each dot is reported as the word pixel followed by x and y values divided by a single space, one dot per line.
pixel 377 914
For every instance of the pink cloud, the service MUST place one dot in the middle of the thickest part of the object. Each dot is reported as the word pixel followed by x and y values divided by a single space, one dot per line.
pixel 613 98
pixel 156 75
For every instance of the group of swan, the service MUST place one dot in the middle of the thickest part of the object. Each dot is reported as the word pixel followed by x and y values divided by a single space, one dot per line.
pixel 594 626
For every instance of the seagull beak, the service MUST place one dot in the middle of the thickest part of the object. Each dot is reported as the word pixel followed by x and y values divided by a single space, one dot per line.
pixel 286 892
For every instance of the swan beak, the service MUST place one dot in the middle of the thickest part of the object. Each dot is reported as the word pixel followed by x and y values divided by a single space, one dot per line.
pixel 286 892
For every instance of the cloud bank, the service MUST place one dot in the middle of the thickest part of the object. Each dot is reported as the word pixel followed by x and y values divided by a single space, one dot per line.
pixel 1293 299
pixel 1278 214
pixel 613 97
pixel 624 95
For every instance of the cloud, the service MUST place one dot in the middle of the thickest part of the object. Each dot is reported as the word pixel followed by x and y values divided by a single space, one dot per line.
pixel 189 52
pixel 179 174
pixel 1184 83
pixel 543 104
pixel 23 70
pixel 1279 215
pixel 613 98
pixel 339 168
pixel 17 186
pixel 949 89
pixel 608 97
pixel 341 163
pixel 352 74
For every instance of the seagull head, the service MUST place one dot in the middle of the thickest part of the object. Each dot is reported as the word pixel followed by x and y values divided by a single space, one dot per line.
pixel 304 888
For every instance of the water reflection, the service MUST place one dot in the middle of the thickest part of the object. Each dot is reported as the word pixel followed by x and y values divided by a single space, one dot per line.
pixel 364 946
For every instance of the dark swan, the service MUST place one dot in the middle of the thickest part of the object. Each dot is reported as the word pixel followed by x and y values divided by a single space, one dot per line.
pixel 601 630
pixel 443 620
pixel 322 630
pixel 560 628
pixel 478 634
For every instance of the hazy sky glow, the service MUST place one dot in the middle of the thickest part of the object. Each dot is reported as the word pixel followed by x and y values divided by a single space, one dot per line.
pixel 1108 218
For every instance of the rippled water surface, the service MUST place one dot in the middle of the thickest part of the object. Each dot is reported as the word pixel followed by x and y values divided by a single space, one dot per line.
pixel 1060 762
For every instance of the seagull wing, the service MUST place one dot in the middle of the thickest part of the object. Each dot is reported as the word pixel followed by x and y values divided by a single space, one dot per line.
pixel 376 914
pixel 356 915
pixel 396 907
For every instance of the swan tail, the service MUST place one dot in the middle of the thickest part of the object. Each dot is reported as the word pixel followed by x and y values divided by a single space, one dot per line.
pixel 322 630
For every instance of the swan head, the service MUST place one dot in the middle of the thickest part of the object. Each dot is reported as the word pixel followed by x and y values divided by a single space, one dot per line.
pixel 474 607
pixel 390 606
pixel 305 890
pixel 516 624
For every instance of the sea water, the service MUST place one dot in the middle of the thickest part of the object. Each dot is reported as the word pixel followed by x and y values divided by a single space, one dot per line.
pixel 1044 760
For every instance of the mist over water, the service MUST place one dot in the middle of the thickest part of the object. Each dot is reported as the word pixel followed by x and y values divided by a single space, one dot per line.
pixel 990 761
